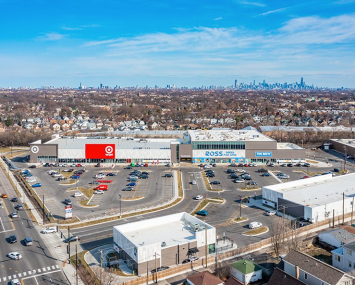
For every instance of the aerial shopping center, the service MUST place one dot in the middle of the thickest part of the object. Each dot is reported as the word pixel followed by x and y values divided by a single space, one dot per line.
pixel 194 146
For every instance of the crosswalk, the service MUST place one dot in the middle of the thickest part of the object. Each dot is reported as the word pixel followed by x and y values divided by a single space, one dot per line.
pixel 29 273
pixel 58 249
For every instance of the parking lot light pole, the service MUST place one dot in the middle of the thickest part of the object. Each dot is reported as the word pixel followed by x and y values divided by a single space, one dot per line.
pixel 120 206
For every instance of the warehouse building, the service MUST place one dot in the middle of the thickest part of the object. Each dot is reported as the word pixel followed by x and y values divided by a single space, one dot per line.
pixel 344 146
pixel 166 241
pixel 198 146
pixel 313 199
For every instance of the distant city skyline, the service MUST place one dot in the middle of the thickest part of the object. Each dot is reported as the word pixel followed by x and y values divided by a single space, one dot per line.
pixel 187 42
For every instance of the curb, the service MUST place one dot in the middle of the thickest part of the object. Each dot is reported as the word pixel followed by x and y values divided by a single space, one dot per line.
pixel 256 234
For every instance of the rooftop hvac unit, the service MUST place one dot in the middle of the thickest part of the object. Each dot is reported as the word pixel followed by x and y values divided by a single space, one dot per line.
pixel 163 244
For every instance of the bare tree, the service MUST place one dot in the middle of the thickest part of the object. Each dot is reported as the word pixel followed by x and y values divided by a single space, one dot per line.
pixel 277 235
pixel 222 270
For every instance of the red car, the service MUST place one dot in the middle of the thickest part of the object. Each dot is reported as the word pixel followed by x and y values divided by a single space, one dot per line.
pixel 305 177
pixel 78 165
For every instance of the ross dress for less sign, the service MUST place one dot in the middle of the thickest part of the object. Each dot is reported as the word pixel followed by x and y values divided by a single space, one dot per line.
pixel 100 151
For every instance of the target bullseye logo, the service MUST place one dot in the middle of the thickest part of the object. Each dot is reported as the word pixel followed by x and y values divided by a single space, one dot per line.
pixel 35 149
pixel 109 150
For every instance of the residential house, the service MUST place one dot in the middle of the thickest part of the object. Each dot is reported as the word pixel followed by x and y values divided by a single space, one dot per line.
pixel 74 127
pixel 335 238
pixel 203 278
pixel 246 271
pixel 56 127
pixel 107 128
pixel 343 258
pixel 99 125
pixel 313 271
pixel 28 126
pixel 233 281
pixel 91 126
pixel 65 127
pixel 281 277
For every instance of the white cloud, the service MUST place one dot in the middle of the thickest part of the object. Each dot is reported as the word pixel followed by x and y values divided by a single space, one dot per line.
pixel 274 11
pixel 51 37
pixel 251 3
pixel 218 19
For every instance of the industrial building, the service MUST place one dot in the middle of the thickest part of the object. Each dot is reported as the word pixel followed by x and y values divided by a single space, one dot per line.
pixel 313 199
pixel 344 146
pixel 195 146
pixel 163 241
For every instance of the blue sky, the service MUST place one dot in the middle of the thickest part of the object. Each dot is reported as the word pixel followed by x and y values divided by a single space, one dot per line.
pixel 182 42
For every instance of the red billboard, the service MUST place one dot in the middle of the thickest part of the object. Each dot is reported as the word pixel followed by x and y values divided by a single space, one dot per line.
pixel 99 151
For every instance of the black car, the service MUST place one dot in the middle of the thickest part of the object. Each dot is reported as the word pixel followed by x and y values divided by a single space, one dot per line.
pixel 252 183
pixel 262 170
pixel 143 176
pixel 12 239
pixel 71 239
pixel 246 177
pixel 336 170
pixel 128 167
pixel 160 269
pixel 230 171
pixel 298 164
pixel 111 174
pixel 168 175
pixel 215 182
pixel 145 173
pixel 289 164
pixel 14 199
pixel 234 175
pixel 210 175
pixel 135 172
pixel 67 201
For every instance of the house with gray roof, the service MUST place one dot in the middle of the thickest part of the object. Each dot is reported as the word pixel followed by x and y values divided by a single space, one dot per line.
pixel 343 257
pixel 335 238
pixel 313 271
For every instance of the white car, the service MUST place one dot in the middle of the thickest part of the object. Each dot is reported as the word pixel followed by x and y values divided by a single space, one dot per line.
pixel 132 177
pixel 50 230
pixel 255 225
pixel 14 255
pixel 63 165
pixel 15 282
pixel 100 176
pixel 99 192
pixel 78 194
pixel 14 215
pixel 271 213
pixel 198 197
pixel 240 170
pixel 193 182
pixel 57 175
pixel 207 166
pixel 50 172
pixel 31 179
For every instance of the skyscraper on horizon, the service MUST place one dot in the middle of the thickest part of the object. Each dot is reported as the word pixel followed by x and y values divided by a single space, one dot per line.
pixel 235 83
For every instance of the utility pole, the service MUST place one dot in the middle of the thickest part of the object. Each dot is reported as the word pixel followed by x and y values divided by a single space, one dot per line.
pixel 156 269
pixel 43 210
pixel 206 244
pixel 333 219
pixel 76 263
pixel 343 207
pixel 68 245
pixel 100 266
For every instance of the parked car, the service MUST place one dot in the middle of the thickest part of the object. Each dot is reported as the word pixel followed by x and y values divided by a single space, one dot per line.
pixel 143 176
pixel 283 165
pixel 67 201
pixel 193 182
pixel 12 239
pixel 271 164
pixel 238 180
pixel 252 183
pixel 132 184
pixel 271 213
pixel 198 197
pixel 28 241
pixel 14 199
pixel 210 175
pixel 75 177
pixel 111 174
pixel 14 255
pixel 160 269
pixel 78 194
pixel 241 170
pixel 168 175
pixel 305 177
pixel 266 174
pixel 36 185
pixel 230 170
pixel 19 207
pixel 255 225
pixel 289 164
pixel 99 192
pixel 284 176
pixel 202 213
pixel 32 166
pixel 129 188
pixel 50 230
pixel 94 182
pixel 128 167
pixel 234 176
pixel 246 177
pixel 191 259
pixel 61 178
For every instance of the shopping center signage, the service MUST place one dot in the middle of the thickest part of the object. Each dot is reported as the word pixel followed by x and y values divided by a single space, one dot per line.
pixel 68 211
pixel 100 151
pixel 263 154
pixel 220 153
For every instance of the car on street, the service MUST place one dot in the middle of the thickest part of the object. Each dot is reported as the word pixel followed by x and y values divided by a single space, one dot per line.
pixel 128 167
pixel 210 175
pixel 193 182
pixel 14 199
pixel 67 170
pixel 67 201
pixel 198 197
pixel 4 196
pixel 168 175
pixel 255 225
pixel 160 269
pixel 202 213
pixel 78 194
pixel 50 230
pixel 266 174
pixel 285 176
pixel 305 177
pixel 14 255
pixel 238 180
pixel 12 239
pixel 336 170
pixel 15 282
pixel 14 215
pixel 28 241
pixel 128 188
pixel 306 164
pixel 246 177
pixel 36 185
pixel 111 174
pixel 19 207
pixel 99 192
pixel 32 166
pixel 271 213
pixel 71 239
pixel 215 183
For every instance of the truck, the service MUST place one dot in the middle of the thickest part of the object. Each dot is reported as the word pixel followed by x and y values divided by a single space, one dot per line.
pixel 101 187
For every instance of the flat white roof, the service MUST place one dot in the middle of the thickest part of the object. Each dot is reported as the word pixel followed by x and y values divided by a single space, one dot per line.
pixel 288 146
pixel 345 142
pixel 316 191
pixel 173 229
pixel 227 135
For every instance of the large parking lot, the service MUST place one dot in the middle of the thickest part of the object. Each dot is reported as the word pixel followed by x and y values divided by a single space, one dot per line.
pixel 148 192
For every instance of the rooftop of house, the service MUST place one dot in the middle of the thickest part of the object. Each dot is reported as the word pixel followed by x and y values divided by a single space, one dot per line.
pixel 341 234
pixel 245 266
pixel 315 267
pixel 227 135
pixel 280 277
pixel 204 278
pixel 315 191
pixel 171 230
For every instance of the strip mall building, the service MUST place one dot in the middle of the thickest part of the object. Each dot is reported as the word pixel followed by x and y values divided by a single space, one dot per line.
pixel 195 146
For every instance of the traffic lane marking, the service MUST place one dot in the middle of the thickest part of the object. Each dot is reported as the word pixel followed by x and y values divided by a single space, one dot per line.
pixel 7 211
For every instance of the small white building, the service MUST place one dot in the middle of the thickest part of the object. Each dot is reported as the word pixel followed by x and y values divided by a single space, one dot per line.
pixel 343 257
pixel 335 238
pixel 313 199
pixel 167 240
pixel 246 271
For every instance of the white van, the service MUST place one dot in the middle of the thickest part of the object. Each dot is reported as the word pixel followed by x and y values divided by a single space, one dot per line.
pixel 255 225
pixel 31 179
